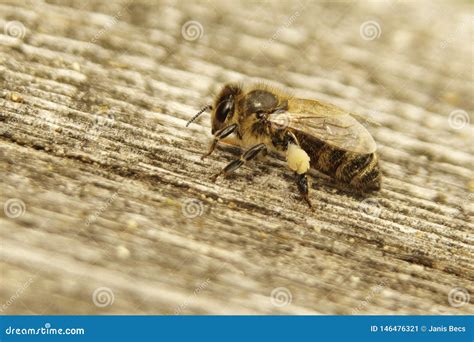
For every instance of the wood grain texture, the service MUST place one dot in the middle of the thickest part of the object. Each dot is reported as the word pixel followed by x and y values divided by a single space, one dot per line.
pixel 118 205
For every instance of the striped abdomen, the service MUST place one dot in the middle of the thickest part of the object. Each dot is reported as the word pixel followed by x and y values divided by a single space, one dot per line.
pixel 360 171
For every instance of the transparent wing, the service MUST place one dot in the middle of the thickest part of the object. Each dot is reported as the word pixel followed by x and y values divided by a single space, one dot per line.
pixel 328 123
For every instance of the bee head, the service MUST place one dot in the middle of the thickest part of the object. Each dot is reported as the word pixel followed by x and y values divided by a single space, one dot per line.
pixel 224 106
pixel 223 109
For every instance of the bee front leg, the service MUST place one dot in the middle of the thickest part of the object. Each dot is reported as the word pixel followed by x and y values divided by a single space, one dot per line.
pixel 219 135
pixel 250 154
pixel 302 183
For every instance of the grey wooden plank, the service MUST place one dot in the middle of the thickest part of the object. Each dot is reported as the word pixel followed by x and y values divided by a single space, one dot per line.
pixel 116 212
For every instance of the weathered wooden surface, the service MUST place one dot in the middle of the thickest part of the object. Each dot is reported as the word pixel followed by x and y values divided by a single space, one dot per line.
pixel 94 99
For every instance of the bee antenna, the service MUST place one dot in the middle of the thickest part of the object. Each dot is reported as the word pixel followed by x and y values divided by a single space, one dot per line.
pixel 198 113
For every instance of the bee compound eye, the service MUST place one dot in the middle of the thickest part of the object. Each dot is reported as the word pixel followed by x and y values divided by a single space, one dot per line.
pixel 224 108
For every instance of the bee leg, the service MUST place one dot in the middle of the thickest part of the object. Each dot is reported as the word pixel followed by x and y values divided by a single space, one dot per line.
pixel 302 183
pixel 220 134
pixel 250 154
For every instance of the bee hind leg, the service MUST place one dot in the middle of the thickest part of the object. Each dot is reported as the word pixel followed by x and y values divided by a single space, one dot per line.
pixel 302 183
pixel 250 154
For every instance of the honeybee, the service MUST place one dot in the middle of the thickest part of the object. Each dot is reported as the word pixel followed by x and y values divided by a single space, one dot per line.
pixel 311 134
